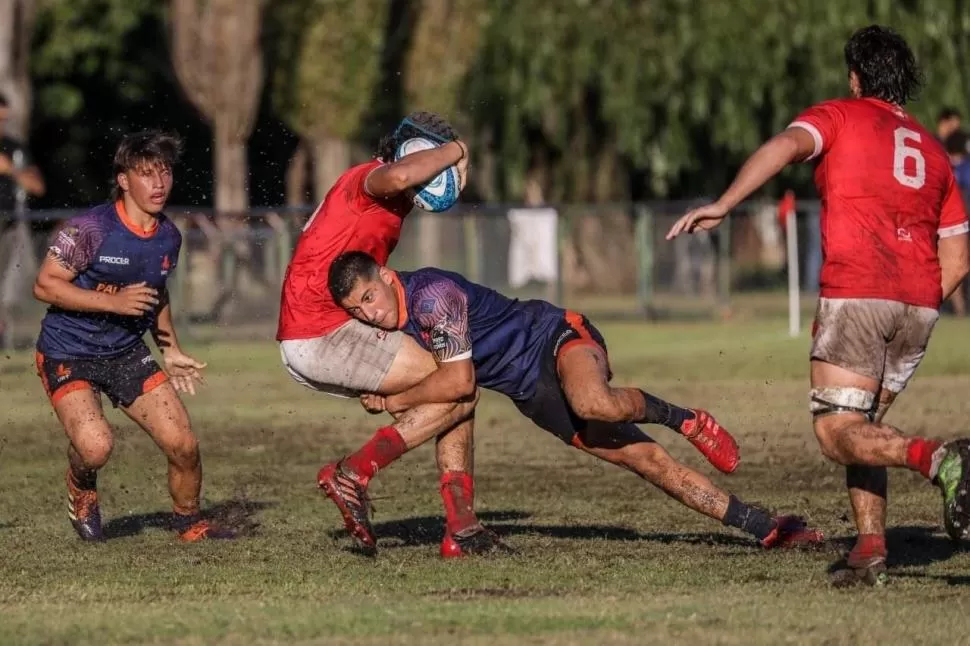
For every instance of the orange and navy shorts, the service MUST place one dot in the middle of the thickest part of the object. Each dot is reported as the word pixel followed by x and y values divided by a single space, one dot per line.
pixel 548 408
pixel 123 378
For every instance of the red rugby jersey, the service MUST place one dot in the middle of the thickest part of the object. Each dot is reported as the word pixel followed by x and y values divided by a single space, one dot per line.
pixel 348 219
pixel 888 193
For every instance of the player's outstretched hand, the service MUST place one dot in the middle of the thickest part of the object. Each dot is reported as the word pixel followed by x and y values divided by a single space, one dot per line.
pixel 135 300
pixel 183 371
pixel 372 403
pixel 704 218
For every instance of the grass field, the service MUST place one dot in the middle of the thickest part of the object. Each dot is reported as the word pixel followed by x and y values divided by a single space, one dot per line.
pixel 603 558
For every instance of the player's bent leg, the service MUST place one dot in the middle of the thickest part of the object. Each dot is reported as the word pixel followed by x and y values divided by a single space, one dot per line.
pixel 90 447
pixel 162 415
pixel 358 358
pixel 868 496
pixel 625 445
pixel 345 482
pixel 584 374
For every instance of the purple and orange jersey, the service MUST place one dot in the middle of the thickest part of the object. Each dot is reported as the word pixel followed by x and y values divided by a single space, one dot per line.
pixel 457 319
pixel 108 252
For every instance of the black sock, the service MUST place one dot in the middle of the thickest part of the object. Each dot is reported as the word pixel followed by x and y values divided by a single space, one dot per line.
pixel 181 522
pixel 748 519
pixel 660 412
pixel 84 479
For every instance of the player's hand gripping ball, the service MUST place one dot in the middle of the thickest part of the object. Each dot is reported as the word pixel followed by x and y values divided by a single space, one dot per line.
pixel 441 192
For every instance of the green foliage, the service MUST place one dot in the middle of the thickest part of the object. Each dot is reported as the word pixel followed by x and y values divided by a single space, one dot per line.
pixel 328 63
pixel 680 91
pixel 76 39
pixel 444 44
pixel 659 97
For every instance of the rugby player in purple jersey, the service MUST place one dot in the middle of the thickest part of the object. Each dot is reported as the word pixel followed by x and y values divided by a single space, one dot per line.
pixel 104 279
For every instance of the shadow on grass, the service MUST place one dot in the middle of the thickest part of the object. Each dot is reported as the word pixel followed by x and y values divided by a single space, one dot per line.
pixel 429 530
pixel 234 514
pixel 911 546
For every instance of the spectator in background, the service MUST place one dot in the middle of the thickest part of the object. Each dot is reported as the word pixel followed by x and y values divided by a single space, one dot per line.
pixel 17 173
pixel 957 146
pixel 947 123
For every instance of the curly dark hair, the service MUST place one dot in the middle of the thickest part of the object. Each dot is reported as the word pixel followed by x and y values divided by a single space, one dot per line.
pixel 884 63
pixel 152 147
pixel 417 124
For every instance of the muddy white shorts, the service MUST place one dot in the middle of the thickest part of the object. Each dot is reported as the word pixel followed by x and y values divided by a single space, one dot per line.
pixel 880 339
pixel 351 360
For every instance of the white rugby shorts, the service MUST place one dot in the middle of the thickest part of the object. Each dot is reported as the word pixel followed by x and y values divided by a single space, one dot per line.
pixel 353 359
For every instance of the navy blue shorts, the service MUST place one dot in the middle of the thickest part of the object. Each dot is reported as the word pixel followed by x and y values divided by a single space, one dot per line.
pixel 548 407
pixel 123 379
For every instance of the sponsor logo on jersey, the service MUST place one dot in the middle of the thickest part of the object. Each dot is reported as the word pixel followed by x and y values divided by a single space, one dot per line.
pixel 166 265
pixel 114 260
pixel 107 288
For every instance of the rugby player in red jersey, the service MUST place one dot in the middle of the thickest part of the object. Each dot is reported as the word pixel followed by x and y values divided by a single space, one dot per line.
pixel 553 364
pixel 105 281
pixel 325 349
pixel 894 243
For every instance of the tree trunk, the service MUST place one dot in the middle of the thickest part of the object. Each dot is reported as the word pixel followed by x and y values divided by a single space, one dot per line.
pixel 231 171
pixel 16 27
pixel 331 157
pixel 297 176
pixel 239 276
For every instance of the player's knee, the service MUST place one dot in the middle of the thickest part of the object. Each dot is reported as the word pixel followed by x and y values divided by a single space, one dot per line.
pixel 648 459
pixel 466 407
pixel 828 430
pixel 836 409
pixel 595 406
pixel 184 451
pixel 94 455
pixel 93 445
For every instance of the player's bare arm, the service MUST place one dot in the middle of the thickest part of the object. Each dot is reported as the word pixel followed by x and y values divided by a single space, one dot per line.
pixel 28 178
pixel 54 287
pixel 954 254
pixel 954 238
pixel 441 310
pixel 182 369
pixel 393 178
pixel 794 144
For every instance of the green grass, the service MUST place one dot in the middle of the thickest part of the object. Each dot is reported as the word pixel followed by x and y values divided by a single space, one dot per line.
pixel 602 557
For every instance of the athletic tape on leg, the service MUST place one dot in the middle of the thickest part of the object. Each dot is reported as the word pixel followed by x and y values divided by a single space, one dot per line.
pixel 832 401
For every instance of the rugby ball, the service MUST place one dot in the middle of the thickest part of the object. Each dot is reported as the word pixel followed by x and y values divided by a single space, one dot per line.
pixel 441 192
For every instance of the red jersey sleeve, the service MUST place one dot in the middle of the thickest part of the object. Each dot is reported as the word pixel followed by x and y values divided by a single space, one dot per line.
pixel 953 218
pixel 354 193
pixel 357 197
pixel 823 121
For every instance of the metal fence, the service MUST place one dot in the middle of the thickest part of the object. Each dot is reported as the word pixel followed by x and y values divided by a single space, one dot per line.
pixel 606 260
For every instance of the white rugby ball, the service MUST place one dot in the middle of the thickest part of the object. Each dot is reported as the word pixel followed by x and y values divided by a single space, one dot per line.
pixel 441 192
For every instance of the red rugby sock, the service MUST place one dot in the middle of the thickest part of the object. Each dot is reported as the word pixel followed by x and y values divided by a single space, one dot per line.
pixel 919 455
pixel 386 446
pixel 458 494
pixel 869 545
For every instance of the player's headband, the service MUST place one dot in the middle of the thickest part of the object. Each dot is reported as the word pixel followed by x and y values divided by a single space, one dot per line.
pixel 407 129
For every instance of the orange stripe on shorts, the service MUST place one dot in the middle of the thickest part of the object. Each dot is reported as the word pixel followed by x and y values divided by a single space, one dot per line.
pixel 154 382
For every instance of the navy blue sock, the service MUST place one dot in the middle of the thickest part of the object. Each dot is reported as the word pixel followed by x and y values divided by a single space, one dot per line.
pixel 659 411
pixel 748 519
